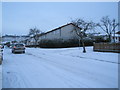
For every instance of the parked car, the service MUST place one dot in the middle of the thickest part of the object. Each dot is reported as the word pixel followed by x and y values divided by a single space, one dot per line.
pixel 1 54
pixel 11 46
pixel 18 48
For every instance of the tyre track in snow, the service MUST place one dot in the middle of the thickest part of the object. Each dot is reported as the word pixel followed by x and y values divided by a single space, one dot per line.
pixel 84 73
pixel 71 81
pixel 48 62
pixel 68 80
pixel 93 59
pixel 13 78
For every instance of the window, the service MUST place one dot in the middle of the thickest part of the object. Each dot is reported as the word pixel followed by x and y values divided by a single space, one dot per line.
pixel 19 45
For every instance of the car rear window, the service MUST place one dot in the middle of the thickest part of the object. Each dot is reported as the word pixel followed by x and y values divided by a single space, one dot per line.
pixel 19 45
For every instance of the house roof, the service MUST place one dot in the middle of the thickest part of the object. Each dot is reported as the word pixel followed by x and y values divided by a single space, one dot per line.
pixel 118 32
pixel 59 28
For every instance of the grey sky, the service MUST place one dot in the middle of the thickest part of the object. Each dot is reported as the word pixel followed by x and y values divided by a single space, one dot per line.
pixel 0 18
pixel 19 17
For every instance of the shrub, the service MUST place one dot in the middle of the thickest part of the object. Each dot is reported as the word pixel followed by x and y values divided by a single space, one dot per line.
pixel 88 42
pixel 60 43
pixel 99 39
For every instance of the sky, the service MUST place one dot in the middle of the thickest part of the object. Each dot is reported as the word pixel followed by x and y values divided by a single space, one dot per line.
pixel 19 17
pixel 0 18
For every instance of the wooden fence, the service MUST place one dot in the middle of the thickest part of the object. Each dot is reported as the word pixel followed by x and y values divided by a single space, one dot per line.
pixel 107 47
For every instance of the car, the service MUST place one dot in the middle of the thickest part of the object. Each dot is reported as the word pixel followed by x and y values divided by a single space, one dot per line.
pixel 11 45
pixel 1 54
pixel 18 48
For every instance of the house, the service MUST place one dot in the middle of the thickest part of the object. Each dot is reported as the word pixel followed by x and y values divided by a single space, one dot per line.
pixel 13 38
pixel 116 38
pixel 65 32
pixel 30 41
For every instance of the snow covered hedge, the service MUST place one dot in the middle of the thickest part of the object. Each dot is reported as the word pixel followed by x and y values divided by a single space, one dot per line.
pixel 59 43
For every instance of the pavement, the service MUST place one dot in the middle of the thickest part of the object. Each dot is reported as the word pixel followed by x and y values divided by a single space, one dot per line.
pixel 0 77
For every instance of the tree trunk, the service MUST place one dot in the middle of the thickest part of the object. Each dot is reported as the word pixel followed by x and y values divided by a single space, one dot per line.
pixel 35 44
pixel 114 36
pixel 109 36
pixel 84 50
pixel 79 43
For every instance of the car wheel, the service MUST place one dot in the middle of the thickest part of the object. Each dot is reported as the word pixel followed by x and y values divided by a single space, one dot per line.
pixel 23 51
pixel 0 62
pixel 13 52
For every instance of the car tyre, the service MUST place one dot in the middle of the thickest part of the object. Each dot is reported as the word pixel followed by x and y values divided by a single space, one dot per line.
pixel 13 52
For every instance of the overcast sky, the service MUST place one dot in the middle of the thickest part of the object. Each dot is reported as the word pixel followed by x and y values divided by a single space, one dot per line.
pixel 19 17
pixel 0 18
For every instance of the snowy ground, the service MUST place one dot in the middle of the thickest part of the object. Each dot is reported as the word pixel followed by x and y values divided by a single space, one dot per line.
pixel 60 68
pixel 0 77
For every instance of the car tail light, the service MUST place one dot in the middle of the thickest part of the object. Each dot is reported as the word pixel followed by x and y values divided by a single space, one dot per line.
pixel 14 47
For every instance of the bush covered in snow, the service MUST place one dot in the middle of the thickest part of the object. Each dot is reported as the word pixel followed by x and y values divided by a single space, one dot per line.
pixel 59 43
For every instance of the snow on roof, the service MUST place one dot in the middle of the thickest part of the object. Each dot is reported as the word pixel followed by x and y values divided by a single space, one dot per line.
pixel 118 32
pixel 116 35
pixel 60 27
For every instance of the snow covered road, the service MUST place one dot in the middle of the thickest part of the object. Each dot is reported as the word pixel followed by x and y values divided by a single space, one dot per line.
pixel 0 77
pixel 60 68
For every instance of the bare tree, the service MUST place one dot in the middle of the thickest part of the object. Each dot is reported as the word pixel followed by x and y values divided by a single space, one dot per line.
pixel 35 34
pixel 81 27
pixel 108 26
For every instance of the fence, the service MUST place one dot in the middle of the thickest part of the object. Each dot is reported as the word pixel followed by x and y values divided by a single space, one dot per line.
pixel 107 47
